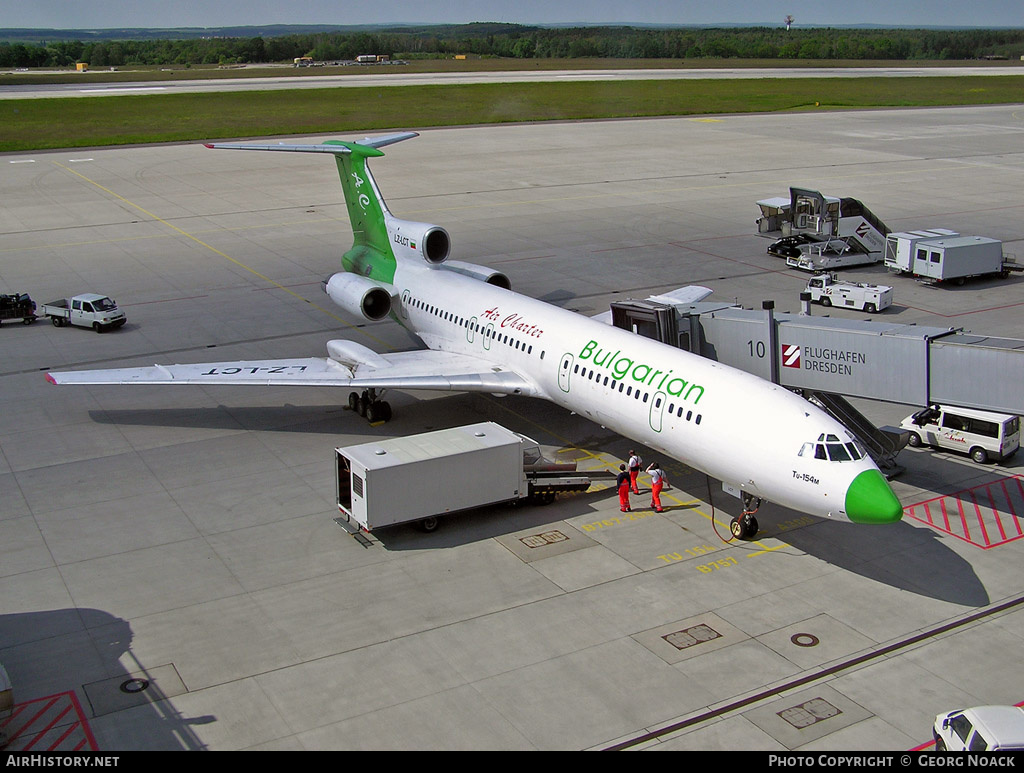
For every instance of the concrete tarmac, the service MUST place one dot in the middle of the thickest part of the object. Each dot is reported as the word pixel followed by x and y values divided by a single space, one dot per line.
pixel 171 573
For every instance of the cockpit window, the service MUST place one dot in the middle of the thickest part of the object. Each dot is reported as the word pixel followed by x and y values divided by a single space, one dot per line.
pixel 831 448
pixel 837 452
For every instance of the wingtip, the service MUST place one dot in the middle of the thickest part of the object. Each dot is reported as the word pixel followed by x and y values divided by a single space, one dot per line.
pixel 50 378
pixel 207 144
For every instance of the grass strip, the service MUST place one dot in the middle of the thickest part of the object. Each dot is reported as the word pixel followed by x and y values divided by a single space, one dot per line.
pixel 36 124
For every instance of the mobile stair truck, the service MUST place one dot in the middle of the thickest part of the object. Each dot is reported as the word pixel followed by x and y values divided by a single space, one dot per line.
pixel 821 233
pixel 422 477
pixel 828 290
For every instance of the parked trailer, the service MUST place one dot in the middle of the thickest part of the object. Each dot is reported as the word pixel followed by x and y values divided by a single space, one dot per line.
pixel 901 245
pixel 422 477
pixel 85 310
pixel 17 306
pixel 948 258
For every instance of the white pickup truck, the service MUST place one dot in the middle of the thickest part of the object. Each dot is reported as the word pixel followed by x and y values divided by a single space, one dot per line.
pixel 827 290
pixel 85 310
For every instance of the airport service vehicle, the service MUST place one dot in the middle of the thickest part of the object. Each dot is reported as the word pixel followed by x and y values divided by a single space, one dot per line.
pixel 419 478
pixel 816 217
pixel 479 336
pixel 983 435
pixel 951 258
pixel 789 246
pixel 829 255
pixel 85 310
pixel 17 306
pixel 828 290
pixel 980 729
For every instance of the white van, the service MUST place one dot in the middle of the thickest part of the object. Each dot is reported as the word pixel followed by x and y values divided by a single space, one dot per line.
pixel 980 729
pixel 982 434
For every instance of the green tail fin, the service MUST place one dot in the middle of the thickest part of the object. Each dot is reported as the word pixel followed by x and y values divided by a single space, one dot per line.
pixel 371 253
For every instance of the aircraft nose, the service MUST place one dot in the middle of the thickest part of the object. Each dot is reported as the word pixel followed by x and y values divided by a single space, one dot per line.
pixel 870 500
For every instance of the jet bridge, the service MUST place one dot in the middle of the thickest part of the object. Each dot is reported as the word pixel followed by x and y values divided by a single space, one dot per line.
pixel 828 359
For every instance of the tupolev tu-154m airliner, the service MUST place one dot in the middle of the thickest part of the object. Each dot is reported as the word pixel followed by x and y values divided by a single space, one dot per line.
pixel 480 336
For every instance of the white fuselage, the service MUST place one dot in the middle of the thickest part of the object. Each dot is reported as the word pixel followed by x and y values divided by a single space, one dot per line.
pixel 724 422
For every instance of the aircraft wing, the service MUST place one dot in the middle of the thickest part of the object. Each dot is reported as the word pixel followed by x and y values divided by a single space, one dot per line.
pixel 425 369
pixel 681 296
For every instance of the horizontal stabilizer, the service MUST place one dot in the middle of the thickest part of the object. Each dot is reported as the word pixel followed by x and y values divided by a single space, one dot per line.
pixel 336 149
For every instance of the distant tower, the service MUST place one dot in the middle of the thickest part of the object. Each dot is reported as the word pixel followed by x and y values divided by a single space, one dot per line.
pixel 789 22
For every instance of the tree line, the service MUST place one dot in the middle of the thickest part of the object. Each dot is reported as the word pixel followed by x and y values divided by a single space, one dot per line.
pixel 523 42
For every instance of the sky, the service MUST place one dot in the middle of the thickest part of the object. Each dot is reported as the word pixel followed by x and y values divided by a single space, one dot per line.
pixel 105 14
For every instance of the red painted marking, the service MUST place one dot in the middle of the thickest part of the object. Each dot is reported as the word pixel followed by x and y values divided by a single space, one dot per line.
pixel 35 725
pixel 986 515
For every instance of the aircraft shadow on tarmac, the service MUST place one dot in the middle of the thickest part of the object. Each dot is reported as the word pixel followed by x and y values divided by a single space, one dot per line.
pixel 902 555
pixel 52 653
pixel 281 418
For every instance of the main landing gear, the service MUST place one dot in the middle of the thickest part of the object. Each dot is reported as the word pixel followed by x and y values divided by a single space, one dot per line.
pixel 744 526
pixel 370 406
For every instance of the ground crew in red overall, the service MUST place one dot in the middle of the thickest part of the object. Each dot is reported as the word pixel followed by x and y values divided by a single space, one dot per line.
pixel 634 469
pixel 657 483
pixel 622 484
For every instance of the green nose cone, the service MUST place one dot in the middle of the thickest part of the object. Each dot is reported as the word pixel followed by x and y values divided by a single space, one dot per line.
pixel 870 500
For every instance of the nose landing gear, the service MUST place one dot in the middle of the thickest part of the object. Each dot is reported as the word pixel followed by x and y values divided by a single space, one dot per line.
pixel 744 526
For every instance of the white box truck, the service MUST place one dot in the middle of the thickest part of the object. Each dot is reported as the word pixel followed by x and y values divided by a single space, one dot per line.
pixel 419 478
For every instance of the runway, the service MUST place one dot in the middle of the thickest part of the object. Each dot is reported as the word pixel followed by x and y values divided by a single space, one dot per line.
pixel 171 574
pixel 355 78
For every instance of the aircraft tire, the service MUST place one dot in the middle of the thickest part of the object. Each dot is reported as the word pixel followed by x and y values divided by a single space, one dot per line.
pixel 378 410
pixel 353 401
pixel 743 528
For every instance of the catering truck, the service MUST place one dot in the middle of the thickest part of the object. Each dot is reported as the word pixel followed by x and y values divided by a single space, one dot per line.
pixel 85 310
pixel 828 290
pixel 417 479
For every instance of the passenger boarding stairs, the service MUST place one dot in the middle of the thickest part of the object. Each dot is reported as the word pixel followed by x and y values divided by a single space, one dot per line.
pixel 844 224
pixel 881 444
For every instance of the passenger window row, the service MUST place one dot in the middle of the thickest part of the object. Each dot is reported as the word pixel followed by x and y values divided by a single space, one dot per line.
pixel 476 327
pixel 635 392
